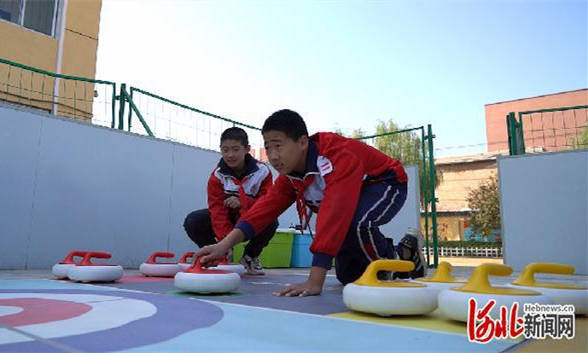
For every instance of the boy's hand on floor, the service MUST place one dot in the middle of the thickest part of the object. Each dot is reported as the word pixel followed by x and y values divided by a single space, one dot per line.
pixel 232 202
pixel 299 290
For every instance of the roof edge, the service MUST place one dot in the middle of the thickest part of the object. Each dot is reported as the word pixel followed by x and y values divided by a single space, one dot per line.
pixel 543 95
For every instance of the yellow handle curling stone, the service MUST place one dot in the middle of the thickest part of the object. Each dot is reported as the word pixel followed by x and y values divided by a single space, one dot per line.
pixel 453 302
pixel 387 298
pixel 559 293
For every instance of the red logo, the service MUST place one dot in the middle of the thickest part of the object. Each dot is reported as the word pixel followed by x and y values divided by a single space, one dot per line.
pixel 482 328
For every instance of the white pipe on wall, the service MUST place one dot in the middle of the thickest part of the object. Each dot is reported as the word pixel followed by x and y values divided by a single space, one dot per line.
pixel 63 11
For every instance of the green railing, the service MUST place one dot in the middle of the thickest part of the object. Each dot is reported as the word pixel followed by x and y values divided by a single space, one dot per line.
pixel 547 130
pixel 95 101
pixel 71 96
pixel 164 118
pixel 412 148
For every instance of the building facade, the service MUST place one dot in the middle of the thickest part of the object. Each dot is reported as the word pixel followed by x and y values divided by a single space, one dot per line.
pixel 58 36
pixel 459 176
pixel 543 131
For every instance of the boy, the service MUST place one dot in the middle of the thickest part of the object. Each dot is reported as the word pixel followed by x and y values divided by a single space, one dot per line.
pixel 233 187
pixel 353 187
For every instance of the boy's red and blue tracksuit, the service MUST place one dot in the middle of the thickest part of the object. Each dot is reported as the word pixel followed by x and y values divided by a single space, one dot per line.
pixel 353 187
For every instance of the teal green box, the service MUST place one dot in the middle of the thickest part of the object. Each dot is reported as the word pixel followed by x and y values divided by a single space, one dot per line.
pixel 276 254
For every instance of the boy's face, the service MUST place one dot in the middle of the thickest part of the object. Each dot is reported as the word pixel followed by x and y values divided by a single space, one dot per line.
pixel 233 153
pixel 284 153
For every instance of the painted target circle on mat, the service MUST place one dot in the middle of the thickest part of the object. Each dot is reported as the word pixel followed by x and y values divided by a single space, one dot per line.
pixel 8 310
pixel 97 320
pixel 39 310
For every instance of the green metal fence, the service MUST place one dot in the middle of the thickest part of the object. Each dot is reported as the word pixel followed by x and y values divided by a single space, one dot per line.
pixel 143 112
pixel 414 146
pixel 167 119
pixel 98 102
pixel 548 130
pixel 71 96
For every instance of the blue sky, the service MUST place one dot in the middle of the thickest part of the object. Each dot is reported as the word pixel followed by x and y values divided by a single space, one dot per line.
pixel 348 64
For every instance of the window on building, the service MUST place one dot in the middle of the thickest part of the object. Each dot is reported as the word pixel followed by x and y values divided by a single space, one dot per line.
pixel 38 15
pixel 10 10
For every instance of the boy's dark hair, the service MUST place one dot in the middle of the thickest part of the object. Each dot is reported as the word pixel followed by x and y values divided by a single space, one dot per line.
pixel 235 133
pixel 287 121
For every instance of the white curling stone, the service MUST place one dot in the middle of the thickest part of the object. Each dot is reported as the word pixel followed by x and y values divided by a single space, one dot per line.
pixel 61 270
pixel 439 286
pixel 159 270
pixel 207 283
pixel 237 268
pixel 454 304
pixel 184 266
pixel 576 297
pixel 387 301
pixel 95 273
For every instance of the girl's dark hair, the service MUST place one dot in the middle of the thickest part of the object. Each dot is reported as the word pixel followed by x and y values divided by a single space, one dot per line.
pixel 287 121
pixel 237 134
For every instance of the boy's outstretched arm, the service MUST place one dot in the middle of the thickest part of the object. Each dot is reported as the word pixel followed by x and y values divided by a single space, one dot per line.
pixel 211 253
pixel 312 286
pixel 267 208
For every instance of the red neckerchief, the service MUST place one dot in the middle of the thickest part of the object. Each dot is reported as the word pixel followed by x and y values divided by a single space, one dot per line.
pixel 303 214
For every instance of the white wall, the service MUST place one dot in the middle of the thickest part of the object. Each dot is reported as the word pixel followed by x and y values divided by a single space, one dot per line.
pixel 544 209
pixel 68 185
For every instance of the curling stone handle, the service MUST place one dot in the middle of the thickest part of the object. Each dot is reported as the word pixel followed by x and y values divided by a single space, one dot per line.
pixel 153 258
pixel 69 259
pixel 94 254
pixel 370 275
pixel 478 281
pixel 196 266
pixel 495 270
pixel 443 273
pixel 185 257
pixel 527 277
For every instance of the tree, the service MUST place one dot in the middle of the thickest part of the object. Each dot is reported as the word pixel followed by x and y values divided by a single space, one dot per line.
pixel 357 133
pixel 580 141
pixel 485 205
pixel 404 146
pixel 407 148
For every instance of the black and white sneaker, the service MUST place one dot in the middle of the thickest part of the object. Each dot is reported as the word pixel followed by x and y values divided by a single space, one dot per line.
pixel 384 276
pixel 411 249
pixel 252 265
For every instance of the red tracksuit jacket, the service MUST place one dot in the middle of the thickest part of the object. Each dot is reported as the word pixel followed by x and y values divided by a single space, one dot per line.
pixel 223 183
pixel 336 168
